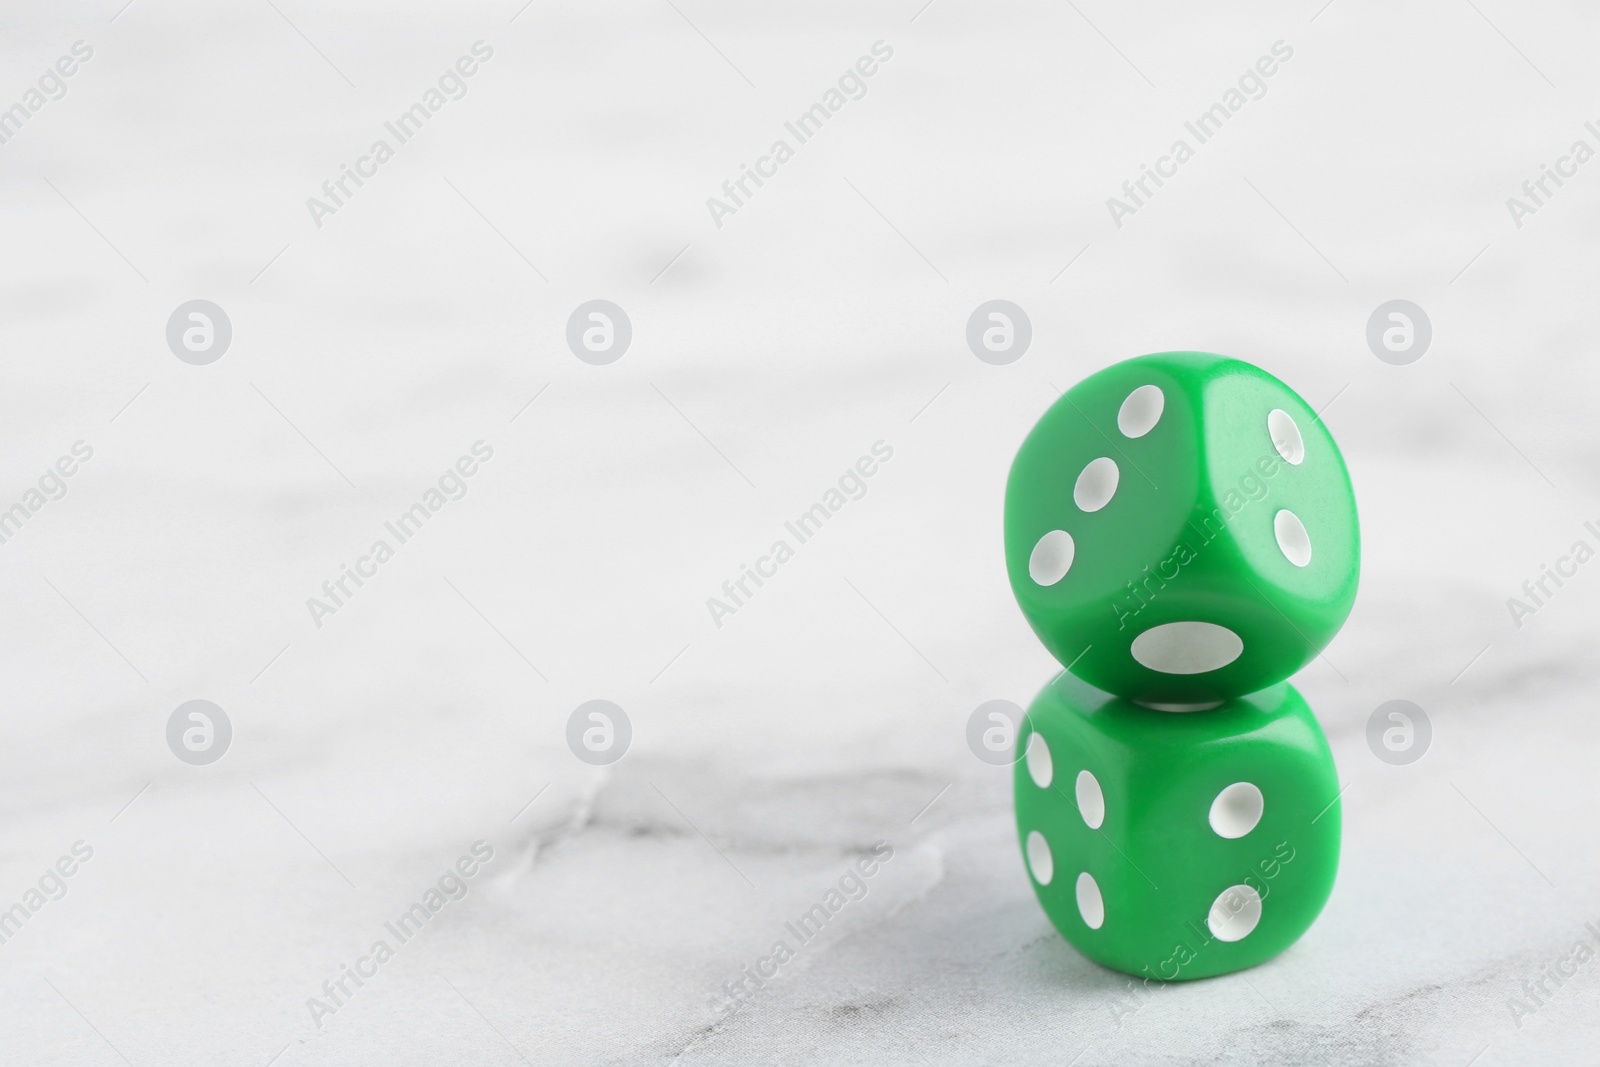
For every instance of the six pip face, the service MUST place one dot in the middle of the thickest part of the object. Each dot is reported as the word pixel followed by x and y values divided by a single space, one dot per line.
pixel 1180 528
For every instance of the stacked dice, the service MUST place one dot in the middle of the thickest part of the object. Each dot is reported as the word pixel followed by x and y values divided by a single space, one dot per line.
pixel 1181 533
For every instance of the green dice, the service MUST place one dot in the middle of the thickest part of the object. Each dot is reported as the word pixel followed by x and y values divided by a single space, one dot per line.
pixel 1177 845
pixel 1180 528
pixel 1181 534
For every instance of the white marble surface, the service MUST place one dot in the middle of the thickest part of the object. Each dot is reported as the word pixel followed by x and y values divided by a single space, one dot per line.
pixel 826 315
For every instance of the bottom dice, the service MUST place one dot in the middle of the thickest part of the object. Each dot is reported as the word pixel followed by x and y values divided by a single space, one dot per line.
pixel 1177 844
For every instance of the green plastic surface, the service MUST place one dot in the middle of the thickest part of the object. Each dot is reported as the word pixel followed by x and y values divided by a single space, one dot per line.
pixel 1159 866
pixel 1189 533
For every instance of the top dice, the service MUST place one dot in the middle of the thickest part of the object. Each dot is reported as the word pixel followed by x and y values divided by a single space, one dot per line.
pixel 1180 529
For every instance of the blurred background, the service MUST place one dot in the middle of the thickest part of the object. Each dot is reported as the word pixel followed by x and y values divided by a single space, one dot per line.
pixel 230 872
